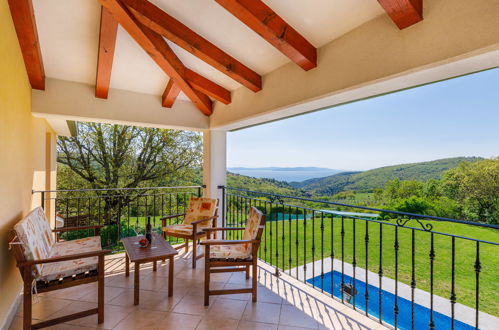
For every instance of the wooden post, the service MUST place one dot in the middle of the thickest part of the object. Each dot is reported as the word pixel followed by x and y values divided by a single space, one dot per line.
pixel 207 275
pixel 136 283
pixel 27 298
pixel 194 247
pixel 170 276
pixel 127 265
pixel 100 304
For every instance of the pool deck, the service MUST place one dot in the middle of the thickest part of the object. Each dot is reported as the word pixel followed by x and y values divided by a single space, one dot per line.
pixel 442 305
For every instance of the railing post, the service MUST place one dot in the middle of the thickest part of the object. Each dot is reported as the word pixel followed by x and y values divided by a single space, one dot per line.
pixel 43 199
pixel 223 209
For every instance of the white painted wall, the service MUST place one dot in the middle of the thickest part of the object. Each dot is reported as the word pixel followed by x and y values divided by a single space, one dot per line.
pixel 214 164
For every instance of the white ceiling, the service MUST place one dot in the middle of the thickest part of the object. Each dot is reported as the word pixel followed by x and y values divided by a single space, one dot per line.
pixel 69 35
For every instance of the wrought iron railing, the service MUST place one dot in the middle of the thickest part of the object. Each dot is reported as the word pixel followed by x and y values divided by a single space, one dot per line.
pixel 122 211
pixel 405 270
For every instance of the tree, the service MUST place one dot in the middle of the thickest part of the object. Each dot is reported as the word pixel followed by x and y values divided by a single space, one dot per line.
pixel 104 156
pixel 475 186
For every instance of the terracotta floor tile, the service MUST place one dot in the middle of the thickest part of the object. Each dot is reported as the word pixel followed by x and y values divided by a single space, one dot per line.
pixel 217 324
pixel 44 308
pixel 248 325
pixel 227 309
pixel 140 319
pixel 292 316
pixel 109 294
pixel 112 315
pixel 179 321
pixel 262 312
pixel 153 300
pixel 193 305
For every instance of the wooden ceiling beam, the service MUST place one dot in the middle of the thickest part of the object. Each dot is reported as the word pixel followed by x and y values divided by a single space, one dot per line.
pixel 207 86
pixel 27 34
pixel 159 21
pixel 160 52
pixel 170 94
pixel 199 83
pixel 403 13
pixel 263 20
pixel 107 45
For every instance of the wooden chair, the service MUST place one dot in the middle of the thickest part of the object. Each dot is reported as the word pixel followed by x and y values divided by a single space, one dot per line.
pixel 234 255
pixel 47 265
pixel 201 213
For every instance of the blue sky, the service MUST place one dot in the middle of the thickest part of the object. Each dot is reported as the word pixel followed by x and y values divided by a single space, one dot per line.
pixel 457 117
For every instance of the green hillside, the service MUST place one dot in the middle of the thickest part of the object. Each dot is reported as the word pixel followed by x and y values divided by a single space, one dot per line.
pixel 261 185
pixel 376 178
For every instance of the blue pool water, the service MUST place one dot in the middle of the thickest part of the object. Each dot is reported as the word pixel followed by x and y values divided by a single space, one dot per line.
pixel 422 314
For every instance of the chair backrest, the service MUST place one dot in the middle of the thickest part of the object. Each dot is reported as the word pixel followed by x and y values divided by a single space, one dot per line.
pixel 254 225
pixel 35 236
pixel 200 208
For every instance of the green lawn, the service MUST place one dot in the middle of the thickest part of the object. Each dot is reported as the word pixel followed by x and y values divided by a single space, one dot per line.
pixel 330 239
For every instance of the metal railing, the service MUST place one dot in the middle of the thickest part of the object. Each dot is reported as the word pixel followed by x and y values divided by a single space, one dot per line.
pixel 122 211
pixel 389 265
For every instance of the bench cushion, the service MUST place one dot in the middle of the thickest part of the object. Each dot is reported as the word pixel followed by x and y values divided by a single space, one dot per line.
pixel 56 270
pixel 36 237
pixel 180 229
pixel 233 251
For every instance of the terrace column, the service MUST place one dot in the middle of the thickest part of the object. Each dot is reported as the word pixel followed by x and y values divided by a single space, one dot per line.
pixel 214 162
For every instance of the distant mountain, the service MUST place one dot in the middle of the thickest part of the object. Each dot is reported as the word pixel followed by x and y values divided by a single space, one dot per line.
pixel 376 178
pixel 285 173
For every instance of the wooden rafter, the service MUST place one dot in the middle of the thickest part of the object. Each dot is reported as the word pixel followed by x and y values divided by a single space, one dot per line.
pixel 207 86
pixel 170 94
pixel 107 44
pixel 162 23
pixel 263 20
pixel 403 13
pixel 199 83
pixel 159 51
pixel 27 34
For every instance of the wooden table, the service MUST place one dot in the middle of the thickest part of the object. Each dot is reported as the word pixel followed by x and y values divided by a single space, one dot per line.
pixel 158 250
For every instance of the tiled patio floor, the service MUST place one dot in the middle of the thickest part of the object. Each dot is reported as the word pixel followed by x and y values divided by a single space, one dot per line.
pixel 282 303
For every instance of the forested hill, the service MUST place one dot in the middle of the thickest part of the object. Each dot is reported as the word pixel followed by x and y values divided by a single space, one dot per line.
pixel 261 184
pixel 376 178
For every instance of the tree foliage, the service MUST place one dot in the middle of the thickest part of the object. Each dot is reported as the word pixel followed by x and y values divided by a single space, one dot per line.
pixel 113 156
pixel 475 186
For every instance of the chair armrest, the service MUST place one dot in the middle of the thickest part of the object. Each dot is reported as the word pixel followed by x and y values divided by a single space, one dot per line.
pixel 227 242
pixel 204 220
pixel 60 230
pixel 172 216
pixel 65 258
pixel 223 228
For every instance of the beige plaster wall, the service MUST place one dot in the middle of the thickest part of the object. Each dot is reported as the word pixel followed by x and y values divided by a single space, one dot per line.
pixel 25 160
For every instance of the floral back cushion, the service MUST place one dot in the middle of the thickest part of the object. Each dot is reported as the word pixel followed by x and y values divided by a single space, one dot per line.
pixel 35 235
pixel 252 224
pixel 200 208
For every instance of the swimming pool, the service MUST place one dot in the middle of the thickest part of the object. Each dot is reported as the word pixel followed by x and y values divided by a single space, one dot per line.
pixel 422 314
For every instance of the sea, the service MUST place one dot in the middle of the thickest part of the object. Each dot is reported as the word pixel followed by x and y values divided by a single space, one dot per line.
pixel 283 174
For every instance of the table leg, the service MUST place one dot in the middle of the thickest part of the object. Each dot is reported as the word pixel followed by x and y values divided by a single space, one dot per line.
pixel 136 284
pixel 154 266
pixel 170 277
pixel 127 265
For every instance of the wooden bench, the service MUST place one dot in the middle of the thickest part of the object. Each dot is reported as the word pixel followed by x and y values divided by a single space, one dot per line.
pixel 46 265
